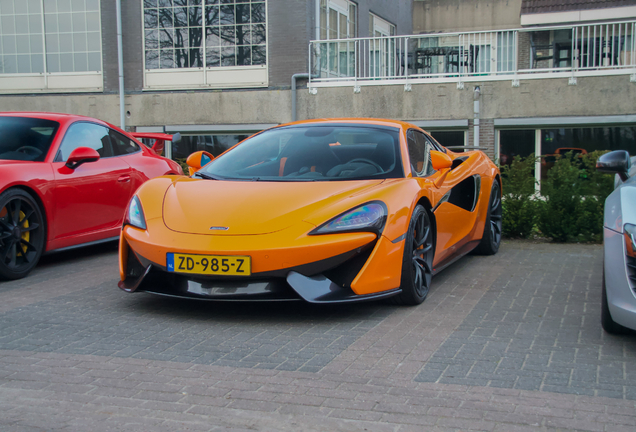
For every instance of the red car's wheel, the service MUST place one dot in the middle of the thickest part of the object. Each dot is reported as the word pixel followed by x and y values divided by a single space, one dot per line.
pixel 417 265
pixel 21 234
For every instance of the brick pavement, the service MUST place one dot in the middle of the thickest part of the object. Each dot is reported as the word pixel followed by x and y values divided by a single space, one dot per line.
pixel 504 343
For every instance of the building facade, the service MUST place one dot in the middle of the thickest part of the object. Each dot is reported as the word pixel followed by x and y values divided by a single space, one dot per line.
pixel 512 76
pixel 214 70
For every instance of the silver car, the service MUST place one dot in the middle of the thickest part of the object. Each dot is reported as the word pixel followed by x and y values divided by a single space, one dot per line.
pixel 618 313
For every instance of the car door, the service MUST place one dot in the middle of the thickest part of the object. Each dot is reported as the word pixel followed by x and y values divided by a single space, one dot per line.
pixel 453 213
pixel 129 151
pixel 92 197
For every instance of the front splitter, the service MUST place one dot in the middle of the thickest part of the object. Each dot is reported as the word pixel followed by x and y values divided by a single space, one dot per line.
pixel 314 289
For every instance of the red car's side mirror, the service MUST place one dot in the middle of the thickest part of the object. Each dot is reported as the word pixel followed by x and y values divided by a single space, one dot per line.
pixel 81 155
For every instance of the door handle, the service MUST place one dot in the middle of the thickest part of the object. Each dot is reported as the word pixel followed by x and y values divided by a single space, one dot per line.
pixel 124 178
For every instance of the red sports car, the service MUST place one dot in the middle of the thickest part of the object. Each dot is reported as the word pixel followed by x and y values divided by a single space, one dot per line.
pixel 65 181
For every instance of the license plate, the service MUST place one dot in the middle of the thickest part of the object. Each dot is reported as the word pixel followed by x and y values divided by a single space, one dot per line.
pixel 209 264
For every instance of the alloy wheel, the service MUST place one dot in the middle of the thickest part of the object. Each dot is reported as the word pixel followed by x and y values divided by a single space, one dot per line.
pixel 495 214
pixel 422 259
pixel 20 232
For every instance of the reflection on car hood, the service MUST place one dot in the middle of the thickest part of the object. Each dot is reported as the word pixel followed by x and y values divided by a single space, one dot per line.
pixel 249 207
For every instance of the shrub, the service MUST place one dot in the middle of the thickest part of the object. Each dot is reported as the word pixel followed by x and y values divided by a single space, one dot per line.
pixel 574 194
pixel 519 208
pixel 184 165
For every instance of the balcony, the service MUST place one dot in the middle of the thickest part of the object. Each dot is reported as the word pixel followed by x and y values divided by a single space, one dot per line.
pixel 569 52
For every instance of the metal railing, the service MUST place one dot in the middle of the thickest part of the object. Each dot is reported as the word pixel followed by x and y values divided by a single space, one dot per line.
pixel 546 52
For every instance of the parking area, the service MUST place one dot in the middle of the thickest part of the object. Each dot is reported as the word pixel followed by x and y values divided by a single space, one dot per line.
pixel 505 343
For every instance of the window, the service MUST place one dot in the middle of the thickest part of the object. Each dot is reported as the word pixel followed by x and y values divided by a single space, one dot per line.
pixel 50 45
pixel 419 148
pixel 515 143
pixel 26 138
pixel 317 153
pixel 505 51
pixel 575 142
pixel 337 20
pixel 122 145
pixel 382 55
pixel 453 140
pixel 84 134
pixel 205 43
pixel 548 144
pixel 215 144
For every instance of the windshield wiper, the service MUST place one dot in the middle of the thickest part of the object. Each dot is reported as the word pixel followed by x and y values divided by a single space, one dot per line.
pixel 205 176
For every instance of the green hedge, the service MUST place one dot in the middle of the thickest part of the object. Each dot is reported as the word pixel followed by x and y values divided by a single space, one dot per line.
pixel 570 207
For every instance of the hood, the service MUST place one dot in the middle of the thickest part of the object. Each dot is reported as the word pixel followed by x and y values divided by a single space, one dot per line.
pixel 249 207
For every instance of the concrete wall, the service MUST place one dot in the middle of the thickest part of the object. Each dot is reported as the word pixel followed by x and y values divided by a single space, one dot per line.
pixel 533 98
pixel 432 16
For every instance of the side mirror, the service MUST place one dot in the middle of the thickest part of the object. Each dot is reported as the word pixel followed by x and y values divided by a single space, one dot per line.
pixel 616 162
pixel 81 155
pixel 440 160
pixel 197 160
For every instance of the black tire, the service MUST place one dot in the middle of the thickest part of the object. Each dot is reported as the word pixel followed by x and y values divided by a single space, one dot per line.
pixel 417 264
pixel 608 324
pixel 491 239
pixel 21 234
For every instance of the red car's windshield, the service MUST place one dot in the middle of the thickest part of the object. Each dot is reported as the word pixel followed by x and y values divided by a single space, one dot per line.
pixel 312 153
pixel 26 139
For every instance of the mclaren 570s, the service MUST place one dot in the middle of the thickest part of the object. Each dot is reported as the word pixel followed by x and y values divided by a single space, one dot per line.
pixel 324 211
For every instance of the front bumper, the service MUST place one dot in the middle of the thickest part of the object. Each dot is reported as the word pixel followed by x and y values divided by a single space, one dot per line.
pixel 621 294
pixel 328 279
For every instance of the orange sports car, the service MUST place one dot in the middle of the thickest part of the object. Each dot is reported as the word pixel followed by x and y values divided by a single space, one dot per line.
pixel 325 211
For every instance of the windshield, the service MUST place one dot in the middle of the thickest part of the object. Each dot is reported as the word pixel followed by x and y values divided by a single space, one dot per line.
pixel 313 153
pixel 25 139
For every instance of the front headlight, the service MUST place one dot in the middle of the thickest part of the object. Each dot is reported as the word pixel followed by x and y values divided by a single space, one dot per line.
pixel 135 214
pixel 629 232
pixel 367 217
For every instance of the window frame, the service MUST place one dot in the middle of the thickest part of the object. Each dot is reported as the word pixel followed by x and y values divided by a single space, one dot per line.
pixel 55 82
pixel 350 11
pixel 427 168
pixel 113 146
pixel 205 77
pixel 58 154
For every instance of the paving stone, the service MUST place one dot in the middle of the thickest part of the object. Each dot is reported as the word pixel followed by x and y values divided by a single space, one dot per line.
pixel 504 343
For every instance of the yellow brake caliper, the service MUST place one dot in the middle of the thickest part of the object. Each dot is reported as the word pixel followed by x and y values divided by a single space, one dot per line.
pixel 25 235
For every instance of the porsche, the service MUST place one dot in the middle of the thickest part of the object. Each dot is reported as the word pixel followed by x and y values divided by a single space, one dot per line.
pixel 325 211
pixel 65 181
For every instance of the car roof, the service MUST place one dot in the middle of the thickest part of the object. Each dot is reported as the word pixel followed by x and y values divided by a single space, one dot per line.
pixel 58 117
pixel 354 120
